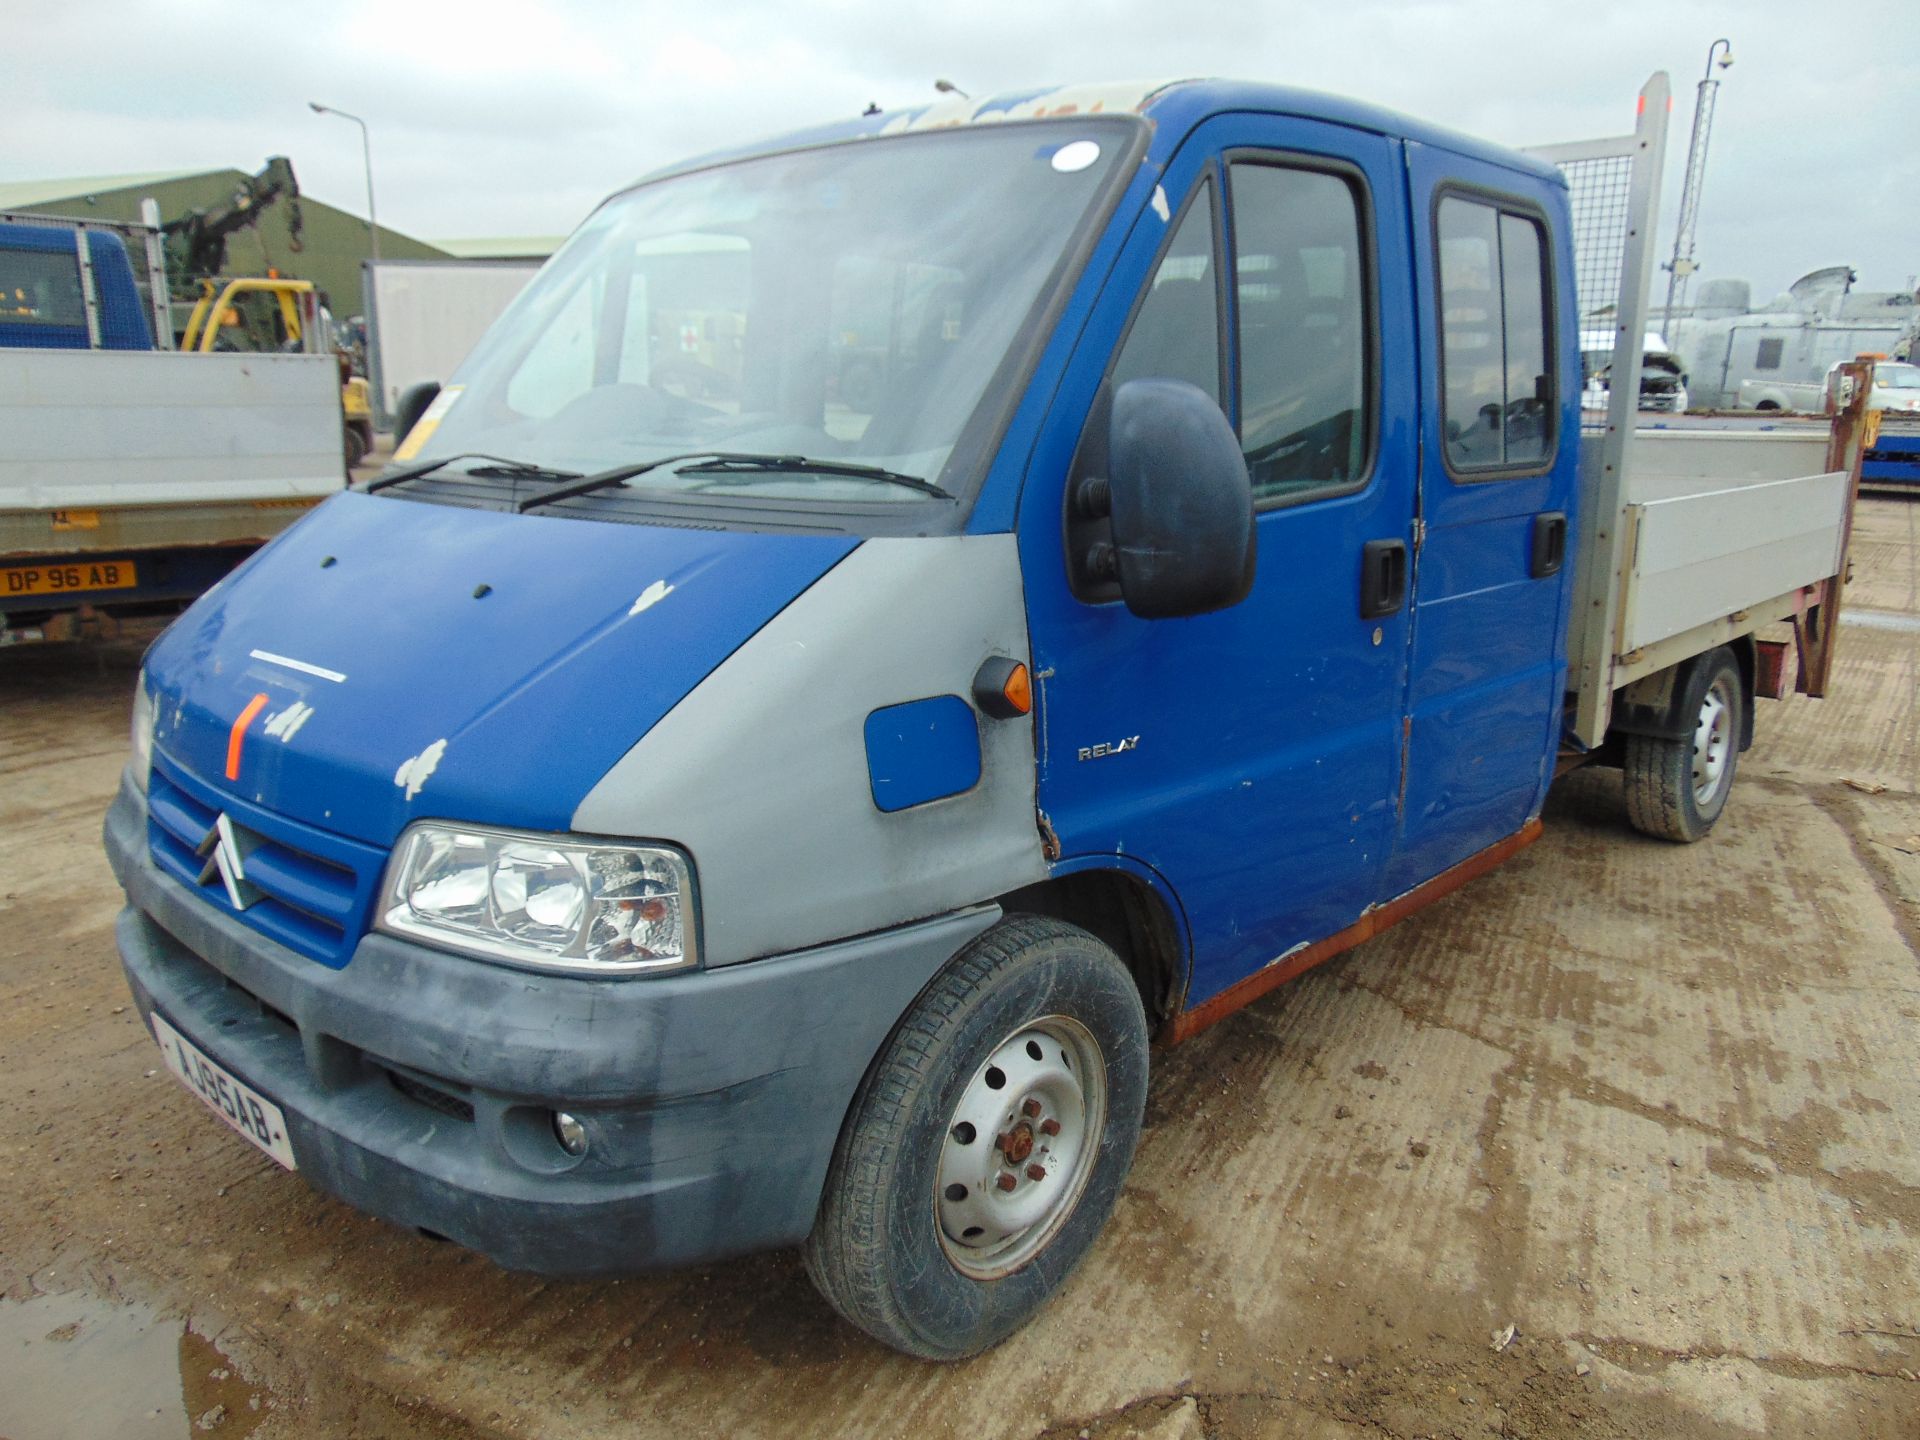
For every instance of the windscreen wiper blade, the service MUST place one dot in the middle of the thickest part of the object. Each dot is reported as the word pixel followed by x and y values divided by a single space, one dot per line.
pixel 496 465
pixel 724 462
pixel 601 479
pixel 805 465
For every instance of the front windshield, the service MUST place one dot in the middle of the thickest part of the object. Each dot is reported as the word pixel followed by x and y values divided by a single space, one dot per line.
pixel 848 303
pixel 1897 377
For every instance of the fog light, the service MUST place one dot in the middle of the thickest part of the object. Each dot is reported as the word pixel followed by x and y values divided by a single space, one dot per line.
pixel 571 1134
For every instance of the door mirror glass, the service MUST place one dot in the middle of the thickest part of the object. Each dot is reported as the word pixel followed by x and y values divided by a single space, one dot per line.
pixel 1180 501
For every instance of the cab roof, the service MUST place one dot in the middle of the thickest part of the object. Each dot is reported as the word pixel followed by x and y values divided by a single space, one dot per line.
pixel 1174 107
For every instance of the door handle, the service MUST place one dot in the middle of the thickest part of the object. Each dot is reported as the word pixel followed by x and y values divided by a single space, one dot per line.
pixel 1549 544
pixel 1383 578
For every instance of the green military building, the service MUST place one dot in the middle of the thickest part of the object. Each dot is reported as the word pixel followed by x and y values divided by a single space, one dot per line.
pixel 332 242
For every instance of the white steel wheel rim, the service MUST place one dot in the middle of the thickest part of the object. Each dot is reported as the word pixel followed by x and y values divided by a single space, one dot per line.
pixel 1712 742
pixel 1020 1146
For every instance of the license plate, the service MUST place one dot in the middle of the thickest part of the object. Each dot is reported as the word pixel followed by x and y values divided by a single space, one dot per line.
pixel 80 575
pixel 241 1106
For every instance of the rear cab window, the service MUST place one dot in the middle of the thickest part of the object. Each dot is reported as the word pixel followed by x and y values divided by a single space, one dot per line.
pixel 40 287
pixel 1496 337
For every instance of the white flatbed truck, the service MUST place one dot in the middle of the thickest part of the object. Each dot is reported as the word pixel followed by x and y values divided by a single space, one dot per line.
pixel 133 476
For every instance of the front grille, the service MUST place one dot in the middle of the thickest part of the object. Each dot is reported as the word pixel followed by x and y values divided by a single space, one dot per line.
pixel 315 890
pixel 332 1064
pixel 432 1096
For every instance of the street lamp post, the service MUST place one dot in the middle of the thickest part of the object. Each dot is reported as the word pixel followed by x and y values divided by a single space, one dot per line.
pixel 366 150
pixel 1681 267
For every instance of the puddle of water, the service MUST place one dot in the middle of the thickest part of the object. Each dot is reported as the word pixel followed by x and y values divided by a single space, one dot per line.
pixel 80 1368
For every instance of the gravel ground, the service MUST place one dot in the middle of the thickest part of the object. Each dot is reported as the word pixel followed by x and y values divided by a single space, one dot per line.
pixel 1621 1140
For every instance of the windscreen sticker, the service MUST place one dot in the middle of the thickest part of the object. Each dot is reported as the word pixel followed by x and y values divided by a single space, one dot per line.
pixel 429 422
pixel 1076 156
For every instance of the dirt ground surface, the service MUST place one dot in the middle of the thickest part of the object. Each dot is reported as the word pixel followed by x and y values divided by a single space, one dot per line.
pixel 1621 1140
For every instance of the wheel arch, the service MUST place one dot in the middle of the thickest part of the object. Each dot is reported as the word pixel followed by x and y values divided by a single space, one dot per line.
pixel 1654 704
pixel 1133 911
pixel 1746 655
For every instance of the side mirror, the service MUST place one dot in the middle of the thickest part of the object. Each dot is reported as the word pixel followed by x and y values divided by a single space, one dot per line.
pixel 414 401
pixel 1178 502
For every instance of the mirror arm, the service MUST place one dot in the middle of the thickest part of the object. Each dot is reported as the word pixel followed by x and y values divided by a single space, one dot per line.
pixel 1093 497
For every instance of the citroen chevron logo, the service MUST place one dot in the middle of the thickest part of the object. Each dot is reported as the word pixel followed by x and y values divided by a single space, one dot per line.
pixel 226 847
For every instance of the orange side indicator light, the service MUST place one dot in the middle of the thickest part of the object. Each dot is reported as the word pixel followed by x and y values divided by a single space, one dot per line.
pixel 237 736
pixel 1019 690
pixel 1003 689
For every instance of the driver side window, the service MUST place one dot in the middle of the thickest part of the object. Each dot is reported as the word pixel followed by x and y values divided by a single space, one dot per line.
pixel 1304 330
pixel 1176 331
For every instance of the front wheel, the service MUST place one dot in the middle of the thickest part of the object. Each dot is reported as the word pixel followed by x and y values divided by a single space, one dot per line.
pixel 987 1146
pixel 1676 788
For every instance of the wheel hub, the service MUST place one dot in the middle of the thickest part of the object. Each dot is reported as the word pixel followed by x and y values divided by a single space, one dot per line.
pixel 1712 743
pixel 1020 1145
pixel 1017 1144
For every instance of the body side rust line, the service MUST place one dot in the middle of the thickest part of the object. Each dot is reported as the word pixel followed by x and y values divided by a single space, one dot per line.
pixel 1381 917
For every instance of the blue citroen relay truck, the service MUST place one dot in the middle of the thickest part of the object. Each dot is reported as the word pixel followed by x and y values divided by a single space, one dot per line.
pixel 700 802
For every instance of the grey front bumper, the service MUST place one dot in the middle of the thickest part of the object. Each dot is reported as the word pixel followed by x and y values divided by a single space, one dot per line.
pixel 419 1085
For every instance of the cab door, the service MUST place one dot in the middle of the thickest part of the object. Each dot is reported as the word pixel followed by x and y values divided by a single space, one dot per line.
pixel 1500 446
pixel 1248 759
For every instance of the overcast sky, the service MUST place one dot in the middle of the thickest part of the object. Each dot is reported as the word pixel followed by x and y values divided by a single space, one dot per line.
pixel 493 118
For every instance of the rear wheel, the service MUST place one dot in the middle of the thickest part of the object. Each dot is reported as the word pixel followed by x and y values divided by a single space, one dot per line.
pixel 988 1145
pixel 1677 788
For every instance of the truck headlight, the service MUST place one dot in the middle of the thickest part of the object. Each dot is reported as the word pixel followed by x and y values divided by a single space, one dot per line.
pixel 592 907
pixel 142 732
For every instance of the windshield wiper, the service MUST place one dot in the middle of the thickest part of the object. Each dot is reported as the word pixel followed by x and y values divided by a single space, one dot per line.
pixel 723 462
pixel 804 465
pixel 600 479
pixel 496 466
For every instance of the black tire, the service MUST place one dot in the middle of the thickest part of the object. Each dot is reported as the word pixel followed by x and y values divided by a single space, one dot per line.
pixel 1677 789
pixel 355 444
pixel 879 1252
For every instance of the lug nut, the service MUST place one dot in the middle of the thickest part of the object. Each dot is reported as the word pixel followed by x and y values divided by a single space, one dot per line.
pixel 1031 1109
pixel 1006 1182
pixel 1036 1172
pixel 1049 1127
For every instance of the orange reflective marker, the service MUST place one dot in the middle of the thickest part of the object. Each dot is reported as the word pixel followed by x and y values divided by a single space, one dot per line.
pixel 1019 690
pixel 1002 688
pixel 239 733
